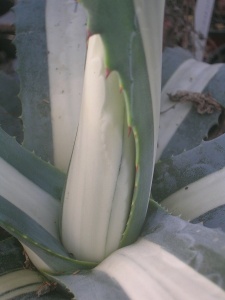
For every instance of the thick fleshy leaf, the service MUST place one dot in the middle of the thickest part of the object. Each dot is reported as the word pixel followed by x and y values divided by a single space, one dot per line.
pixel 151 27
pixel 51 49
pixel 18 277
pixel 33 168
pixel 41 207
pixel 66 43
pixel 213 218
pixel 28 197
pixel 199 247
pixel 181 126
pixel 19 283
pixel 33 73
pixel 47 247
pixel 129 73
pixel 168 262
pixel 191 183
pixel 100 180
pixel 125 54
pixel 14 279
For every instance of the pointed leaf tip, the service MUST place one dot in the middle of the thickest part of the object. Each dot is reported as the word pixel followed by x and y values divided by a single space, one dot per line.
pixel 107 72
pixel 89 34
pixel 129 130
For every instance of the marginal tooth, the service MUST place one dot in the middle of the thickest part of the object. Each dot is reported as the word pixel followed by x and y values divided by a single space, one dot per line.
pixel 107 72
pixel 88 35
pixel 129 130
pixel 121 88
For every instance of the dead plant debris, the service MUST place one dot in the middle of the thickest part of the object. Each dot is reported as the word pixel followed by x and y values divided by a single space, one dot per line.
pixel 45 288
pixel 27 263
pixel 204 103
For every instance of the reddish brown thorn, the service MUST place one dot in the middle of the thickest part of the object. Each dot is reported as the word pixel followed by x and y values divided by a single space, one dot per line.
pixel 129 130
pixel 107 72
pixel 121 89
pixel 89 34
pixel 137 167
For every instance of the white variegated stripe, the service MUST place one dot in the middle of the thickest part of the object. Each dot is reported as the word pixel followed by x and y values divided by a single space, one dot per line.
pixel 37 261
pixel 199 197
pixel 169 123
pixel 191 76
pixel 150 16
pixel 101 174
pixel 66 42
pixel 146 271
pixel 19 283
pixel 202 20
pixel 30 198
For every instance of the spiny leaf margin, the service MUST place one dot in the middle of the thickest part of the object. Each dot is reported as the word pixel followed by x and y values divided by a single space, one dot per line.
pixel 117 24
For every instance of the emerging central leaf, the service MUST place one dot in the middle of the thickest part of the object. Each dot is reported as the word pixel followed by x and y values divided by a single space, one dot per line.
pixel 101 176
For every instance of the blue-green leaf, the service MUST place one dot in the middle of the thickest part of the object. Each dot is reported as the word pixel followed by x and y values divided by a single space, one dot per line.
pixel 172 259
pixel 48 248
pixel 191 184
pixel 28 164
pixel 181 126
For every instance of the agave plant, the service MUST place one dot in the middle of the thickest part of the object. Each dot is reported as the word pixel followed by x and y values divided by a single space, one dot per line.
pixel 96 119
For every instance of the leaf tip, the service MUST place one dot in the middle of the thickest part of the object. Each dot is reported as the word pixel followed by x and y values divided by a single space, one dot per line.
pixel 107 72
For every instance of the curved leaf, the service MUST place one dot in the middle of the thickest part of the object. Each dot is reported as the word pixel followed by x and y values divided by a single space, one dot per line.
pixel 101 175
pixel 33 74
pixel 66 43
pixel 41 173
pixel 19 283
pixel 213 218
pixel 51 48
pixel 115 21
pixel 47 247
pixel 170 251
pixel 181 126
pixel 191 183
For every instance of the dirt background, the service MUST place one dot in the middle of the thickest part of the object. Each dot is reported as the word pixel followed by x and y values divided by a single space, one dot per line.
pixel 179 28
pixel 178 31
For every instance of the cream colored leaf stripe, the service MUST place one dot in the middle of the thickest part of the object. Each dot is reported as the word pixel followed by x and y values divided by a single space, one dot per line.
pixel 190 76
pixel 146 271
